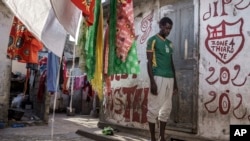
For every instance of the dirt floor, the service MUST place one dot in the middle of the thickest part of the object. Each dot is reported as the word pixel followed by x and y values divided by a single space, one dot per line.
pixel 62 129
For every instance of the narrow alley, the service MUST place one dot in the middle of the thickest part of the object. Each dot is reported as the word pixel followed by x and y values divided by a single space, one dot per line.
pixel 65 128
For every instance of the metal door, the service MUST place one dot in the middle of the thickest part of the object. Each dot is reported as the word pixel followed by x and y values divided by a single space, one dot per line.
pixel 184 113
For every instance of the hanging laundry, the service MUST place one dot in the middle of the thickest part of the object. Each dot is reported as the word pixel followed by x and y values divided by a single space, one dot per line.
pixel 97 81
pixel 40 18
pixel 82 38
pixel 41 88
pixel 87 7
pixel 107 80
pixel 116 65
pixel 106 51
pixel 43 64
pixel 65 89
pixel 87 88
pixel 90 45
pixel 67 14
pixel 78 82
pixel 125 34
pixel 52 72
pixel 32 66
pixel 76 78
pixel 23 46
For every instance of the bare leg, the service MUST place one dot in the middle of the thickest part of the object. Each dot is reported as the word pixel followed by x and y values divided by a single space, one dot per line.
pixel 152 130
pixel 162 130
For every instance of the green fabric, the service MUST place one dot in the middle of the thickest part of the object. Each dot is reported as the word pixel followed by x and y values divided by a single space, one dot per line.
pixel 116 66
pixel 90 46
pixel 112 37
pixel 162 51
pixel 130 66
pixel 82 38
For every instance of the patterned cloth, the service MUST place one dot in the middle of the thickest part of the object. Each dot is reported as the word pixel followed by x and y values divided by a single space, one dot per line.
pixel 125 34
pixel 23 46
pixel 117 66
pixel 106 78
pixel 43 64
pixel 106 51
pixel 131 64
pixel 91 41
pixel 87 7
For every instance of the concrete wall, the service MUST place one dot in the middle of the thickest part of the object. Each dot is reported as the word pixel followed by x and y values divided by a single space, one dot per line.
pixel 5 64
pixel 224 39
pixel 224 68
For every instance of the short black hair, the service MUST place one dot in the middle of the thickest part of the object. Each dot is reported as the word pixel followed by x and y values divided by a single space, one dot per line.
pixel 166 20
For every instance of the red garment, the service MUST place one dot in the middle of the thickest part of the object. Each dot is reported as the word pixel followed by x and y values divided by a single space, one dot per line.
pixel 87 7
pixel 107 78
pixel 125 34
pixel 87 85
pixel 65 77
pixel 41 89
pixel 43 61
pixel 23 46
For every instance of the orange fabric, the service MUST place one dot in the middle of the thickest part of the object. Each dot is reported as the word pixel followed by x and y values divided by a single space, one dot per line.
pixel 87 7
pixel 23 46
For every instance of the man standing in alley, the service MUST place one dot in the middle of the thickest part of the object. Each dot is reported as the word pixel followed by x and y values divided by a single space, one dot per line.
pixel 162 78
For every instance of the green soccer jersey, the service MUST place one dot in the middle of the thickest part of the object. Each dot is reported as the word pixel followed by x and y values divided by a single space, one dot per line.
pixel 162 52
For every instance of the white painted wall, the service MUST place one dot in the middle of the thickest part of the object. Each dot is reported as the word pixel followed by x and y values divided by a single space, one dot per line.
pixel 5 64
pixel 223 74
pixel 126 104
pixel 224 67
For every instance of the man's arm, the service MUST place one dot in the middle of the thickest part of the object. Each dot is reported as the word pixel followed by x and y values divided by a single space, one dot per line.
pixel 153 86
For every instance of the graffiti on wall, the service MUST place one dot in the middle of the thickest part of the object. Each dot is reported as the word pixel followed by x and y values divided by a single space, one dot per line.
pixel 127 104
pixel 225 76
pixel 224 105
pixel 224 44
pixel 146 26
pixel 218 8
pixel 127 101
pixel 225 40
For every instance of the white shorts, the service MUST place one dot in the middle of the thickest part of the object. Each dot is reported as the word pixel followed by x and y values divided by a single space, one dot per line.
pixel 161 105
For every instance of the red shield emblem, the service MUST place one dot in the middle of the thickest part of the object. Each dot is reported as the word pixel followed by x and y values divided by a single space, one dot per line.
pixel 225 40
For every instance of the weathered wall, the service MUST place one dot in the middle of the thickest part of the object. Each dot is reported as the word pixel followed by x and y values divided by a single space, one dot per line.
pixel 127 103
pixel 224 34
pixel 224 68
pixel 5 64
